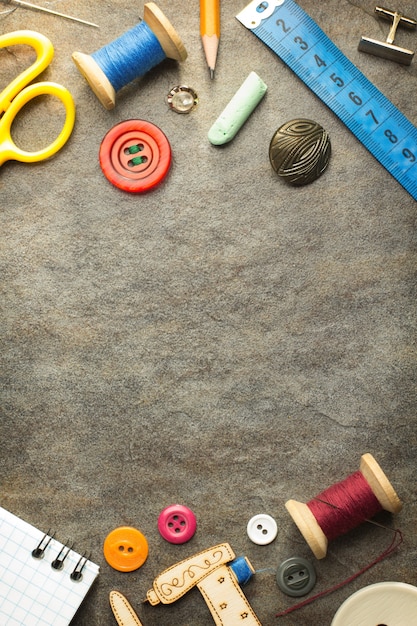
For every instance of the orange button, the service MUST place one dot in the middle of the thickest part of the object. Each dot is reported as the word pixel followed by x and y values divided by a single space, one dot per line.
pixel 125 549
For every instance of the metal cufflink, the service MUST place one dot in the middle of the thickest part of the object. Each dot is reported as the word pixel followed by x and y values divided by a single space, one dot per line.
pixel 387 49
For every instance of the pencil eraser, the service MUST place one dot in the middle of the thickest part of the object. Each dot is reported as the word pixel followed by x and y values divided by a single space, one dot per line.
pixel 243 103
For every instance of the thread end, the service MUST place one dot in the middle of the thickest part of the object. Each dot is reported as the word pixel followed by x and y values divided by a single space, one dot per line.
pixel 163 30
pixel 309 527
pixel 380 485
pixel 96 78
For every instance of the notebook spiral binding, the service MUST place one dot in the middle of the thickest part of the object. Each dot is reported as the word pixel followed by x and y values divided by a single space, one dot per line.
pixel 58 563
pixel 77 572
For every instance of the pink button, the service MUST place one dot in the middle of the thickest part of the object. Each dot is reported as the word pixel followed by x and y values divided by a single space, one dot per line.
pixel 177 523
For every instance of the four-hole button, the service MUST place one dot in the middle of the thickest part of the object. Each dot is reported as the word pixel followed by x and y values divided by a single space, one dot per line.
pixel 177 523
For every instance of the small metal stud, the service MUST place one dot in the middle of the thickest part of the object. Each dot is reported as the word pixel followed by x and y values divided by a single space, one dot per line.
pixel 387 49
pixel 182 99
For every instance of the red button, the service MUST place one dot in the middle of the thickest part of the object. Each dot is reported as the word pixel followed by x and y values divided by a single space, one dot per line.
pixel 135 156
pixel 177 523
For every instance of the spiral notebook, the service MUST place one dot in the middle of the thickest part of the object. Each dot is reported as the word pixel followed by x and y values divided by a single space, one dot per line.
pixel 42 581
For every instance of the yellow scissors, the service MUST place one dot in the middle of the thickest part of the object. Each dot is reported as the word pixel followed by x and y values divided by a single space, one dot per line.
pixel 19 92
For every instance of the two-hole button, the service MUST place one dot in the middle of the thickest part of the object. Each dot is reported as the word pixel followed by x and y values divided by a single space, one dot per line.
pixel 262 529
pixel 135 156
pixel 296 576
pixel 125 549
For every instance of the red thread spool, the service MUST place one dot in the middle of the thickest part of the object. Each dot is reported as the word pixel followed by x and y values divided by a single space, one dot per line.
pixel 344 506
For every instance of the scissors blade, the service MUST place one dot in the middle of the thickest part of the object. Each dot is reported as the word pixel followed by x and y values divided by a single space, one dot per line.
pixel 122 610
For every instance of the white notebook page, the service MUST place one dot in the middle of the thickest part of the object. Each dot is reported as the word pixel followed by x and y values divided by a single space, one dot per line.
pixel 32 592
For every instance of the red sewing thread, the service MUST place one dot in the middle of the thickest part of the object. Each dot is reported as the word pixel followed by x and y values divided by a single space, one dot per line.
pixel 395 543
pixel 344 506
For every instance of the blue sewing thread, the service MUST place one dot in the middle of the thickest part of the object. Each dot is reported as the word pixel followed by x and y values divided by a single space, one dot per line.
pixel 241 570
pixel 131 55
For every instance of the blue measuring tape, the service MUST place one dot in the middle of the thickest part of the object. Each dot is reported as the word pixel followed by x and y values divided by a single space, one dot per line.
pixel 296 38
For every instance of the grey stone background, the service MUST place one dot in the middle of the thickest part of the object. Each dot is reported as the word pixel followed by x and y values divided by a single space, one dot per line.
pixel 226 342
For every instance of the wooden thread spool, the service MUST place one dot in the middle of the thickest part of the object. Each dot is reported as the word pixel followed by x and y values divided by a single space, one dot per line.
pixel 373 487
pixel 166 37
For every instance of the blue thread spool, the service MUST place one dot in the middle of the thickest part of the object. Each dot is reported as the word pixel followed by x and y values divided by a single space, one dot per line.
pixel 242 569
pixel 131 55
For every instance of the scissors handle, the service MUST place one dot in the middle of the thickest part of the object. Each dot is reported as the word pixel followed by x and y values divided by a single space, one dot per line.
pixel 17 94
pixel 9 150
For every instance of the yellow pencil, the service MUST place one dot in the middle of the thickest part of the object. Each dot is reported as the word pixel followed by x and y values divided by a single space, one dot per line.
pixel 210 31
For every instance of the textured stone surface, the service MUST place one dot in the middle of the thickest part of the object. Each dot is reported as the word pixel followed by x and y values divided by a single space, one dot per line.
pixel 227 341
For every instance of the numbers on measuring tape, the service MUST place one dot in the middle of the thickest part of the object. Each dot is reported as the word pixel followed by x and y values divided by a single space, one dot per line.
pixel 374 120
pixel 355 98
pixel 409 155
pixel 303 45
pixel 339 80
pixel 391 136
pixel 372 114
pixel 285 28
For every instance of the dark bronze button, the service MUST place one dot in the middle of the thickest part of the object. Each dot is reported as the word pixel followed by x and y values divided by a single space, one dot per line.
pixel 300 151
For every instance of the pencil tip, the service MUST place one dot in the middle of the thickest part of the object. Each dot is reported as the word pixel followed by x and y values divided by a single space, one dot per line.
pixel 211 73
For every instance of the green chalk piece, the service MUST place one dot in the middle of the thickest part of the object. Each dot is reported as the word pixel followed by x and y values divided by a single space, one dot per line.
pixel 245 100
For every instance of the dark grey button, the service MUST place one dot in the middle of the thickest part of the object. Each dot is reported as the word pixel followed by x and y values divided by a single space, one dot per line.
pixel 296 576
pixel 299 151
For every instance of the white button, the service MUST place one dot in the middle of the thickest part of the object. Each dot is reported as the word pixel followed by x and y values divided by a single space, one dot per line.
pixel 381 603
pixel 262 529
